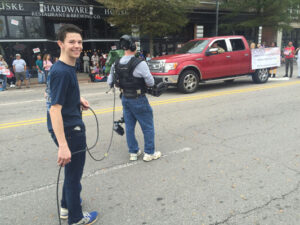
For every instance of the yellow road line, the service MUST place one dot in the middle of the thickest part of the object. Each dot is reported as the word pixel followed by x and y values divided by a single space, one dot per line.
pixel 160 102
pixel 24 121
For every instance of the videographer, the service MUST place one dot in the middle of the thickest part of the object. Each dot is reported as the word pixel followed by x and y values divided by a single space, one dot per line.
pixel 133 76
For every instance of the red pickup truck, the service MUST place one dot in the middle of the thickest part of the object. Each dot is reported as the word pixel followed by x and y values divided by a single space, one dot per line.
pixel 207 59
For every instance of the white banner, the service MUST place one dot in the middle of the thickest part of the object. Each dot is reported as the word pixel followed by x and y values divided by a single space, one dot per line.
pixel 265 58
pixel 4 71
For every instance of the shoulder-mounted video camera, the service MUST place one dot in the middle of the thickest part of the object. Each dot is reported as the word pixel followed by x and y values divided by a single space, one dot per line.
pixel 158 89
pixel 117 126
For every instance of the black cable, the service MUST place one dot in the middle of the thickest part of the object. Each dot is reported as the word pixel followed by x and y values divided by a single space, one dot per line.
pixel 88 150
pixel 112 133
pixel 57 198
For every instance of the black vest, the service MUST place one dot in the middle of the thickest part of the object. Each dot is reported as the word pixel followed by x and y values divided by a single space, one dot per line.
pixel 124 76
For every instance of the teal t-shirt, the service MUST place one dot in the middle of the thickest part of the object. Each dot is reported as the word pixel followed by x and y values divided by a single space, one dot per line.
pixel 39 63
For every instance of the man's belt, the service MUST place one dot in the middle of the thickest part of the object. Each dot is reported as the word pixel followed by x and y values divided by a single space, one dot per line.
pixel 131 93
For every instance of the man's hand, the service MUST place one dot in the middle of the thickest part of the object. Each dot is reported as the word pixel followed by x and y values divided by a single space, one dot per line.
pixel 84 104
pixel 64 155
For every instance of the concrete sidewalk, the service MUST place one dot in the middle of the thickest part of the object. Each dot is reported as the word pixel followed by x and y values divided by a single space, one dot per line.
pixel 82 78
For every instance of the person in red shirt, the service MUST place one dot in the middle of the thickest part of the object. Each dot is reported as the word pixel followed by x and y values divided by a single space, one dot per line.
pixel 289 55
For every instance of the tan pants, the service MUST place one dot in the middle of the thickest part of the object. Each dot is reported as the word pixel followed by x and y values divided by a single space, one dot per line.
pixel 273 71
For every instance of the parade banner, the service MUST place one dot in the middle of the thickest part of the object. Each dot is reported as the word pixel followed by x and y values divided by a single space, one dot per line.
pixel 4 71
pixel 265 58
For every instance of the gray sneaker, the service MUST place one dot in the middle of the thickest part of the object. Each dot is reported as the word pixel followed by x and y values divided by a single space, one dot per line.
pixel 148 157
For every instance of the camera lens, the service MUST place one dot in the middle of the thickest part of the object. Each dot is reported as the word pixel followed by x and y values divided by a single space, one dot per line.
pixel 118 128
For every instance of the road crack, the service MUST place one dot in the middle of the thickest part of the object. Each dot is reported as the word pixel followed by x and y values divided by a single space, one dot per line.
pixel 226 220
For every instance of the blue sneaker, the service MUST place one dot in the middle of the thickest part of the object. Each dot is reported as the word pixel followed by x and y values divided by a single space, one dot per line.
pixel 64 213
pixel 88 218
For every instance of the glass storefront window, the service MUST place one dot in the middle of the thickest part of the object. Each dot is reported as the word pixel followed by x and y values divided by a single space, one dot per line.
pixel 3 32
pixel 16 27
pixel 33 26
pixel 113 32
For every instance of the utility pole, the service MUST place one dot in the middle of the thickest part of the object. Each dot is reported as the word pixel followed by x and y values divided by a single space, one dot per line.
pixel 217 17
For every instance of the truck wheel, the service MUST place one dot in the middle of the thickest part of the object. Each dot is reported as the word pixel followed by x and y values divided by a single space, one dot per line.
pixel 188 81
pixel 260 76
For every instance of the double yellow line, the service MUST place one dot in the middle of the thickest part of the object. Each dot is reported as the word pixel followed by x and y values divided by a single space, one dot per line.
pixel 44 119
pixel 162 102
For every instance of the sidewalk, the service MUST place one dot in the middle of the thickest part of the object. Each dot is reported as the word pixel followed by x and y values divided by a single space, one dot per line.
pixel 82 78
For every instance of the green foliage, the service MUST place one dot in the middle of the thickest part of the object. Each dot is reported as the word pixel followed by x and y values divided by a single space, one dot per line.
pixel 153 17
pixel 255 13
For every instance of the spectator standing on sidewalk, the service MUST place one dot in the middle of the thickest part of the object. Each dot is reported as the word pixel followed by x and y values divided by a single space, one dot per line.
pixel 102 62
pixel 148 57
pixel 3 76
pixel 28 76
pixel 273 70
pixel 40 69
pixel 298 61
pixel 47 64
pixel 2 62
pixel 289 55
pixel 95 59
pixel 19 67
pixel 86 63
pixel 252 45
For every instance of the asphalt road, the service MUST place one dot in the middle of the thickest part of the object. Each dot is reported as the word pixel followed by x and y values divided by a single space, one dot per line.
pixel 230 156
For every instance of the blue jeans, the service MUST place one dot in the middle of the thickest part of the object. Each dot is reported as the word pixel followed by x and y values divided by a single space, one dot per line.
pixel 41 77
pixel 73 172
pixel 4 81
pixel 46 74
pixel 138 109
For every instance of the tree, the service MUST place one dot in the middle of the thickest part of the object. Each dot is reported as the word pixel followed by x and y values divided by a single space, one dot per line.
pixel 254 13
pixel 152 17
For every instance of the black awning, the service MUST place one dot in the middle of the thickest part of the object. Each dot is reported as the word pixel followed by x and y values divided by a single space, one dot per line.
pixel 71 2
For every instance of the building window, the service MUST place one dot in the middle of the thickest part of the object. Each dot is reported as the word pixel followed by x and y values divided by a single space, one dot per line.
pixel 3 32
pixel 16 27
pixel 33 26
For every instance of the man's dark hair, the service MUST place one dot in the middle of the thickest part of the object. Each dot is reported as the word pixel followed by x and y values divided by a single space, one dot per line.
pixel 67 28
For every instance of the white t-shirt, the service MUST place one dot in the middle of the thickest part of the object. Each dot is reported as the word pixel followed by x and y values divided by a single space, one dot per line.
pixel 3 63
pixel 86 58
pixel 19 65
pixel 95 59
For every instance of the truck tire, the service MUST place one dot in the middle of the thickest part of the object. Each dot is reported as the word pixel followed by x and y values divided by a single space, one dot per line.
pixel 188 81
pixel 260 76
